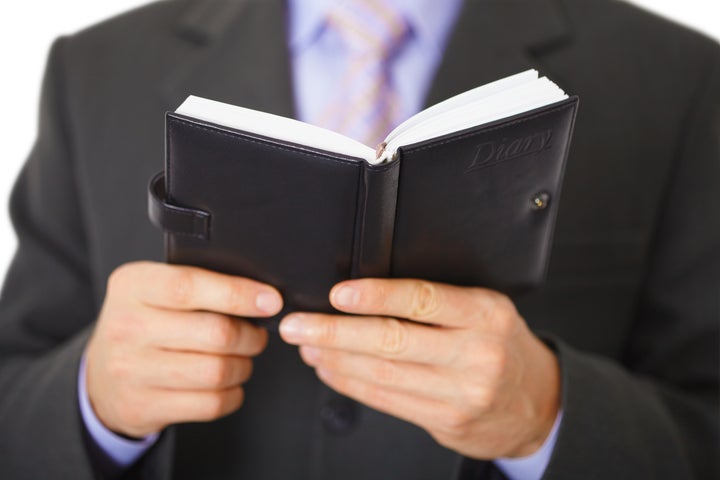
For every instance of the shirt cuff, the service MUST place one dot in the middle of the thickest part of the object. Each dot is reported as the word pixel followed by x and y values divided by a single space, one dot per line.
pixel 533 466
pixel 122 451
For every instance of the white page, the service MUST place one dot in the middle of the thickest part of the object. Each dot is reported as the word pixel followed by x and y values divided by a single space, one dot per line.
pixel 463 99
pixel 273 126
pixel 485 104
pixel 502 104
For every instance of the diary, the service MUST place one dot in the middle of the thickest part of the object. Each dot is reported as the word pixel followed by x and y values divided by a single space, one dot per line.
pixel 465 192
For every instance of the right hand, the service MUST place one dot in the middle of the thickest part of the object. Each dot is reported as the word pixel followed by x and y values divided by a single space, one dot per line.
pixel 165 349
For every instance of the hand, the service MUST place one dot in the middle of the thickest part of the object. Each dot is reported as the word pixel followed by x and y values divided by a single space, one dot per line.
pixel 165 349
pixel 467 370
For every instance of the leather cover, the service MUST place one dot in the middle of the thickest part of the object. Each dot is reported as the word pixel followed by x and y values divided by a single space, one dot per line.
pixel 466 213
pixel 475 207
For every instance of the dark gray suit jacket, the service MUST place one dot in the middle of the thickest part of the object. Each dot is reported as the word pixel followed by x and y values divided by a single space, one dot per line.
pixel 631 302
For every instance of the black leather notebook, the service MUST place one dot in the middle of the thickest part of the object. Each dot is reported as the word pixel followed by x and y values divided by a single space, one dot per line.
pixel 475 206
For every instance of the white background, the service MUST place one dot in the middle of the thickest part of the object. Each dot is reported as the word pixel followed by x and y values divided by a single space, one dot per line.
pixel 30 26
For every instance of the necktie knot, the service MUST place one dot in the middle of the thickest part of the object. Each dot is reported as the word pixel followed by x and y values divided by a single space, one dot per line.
pixel 368 27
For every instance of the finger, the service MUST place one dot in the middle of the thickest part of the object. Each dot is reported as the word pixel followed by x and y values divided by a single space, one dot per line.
pixel 204 332
pixel 418 300
pixel 189 288
pixel 410 378
pixel 384 337
pixel 192 371
pixel 418 411
pixel 173 406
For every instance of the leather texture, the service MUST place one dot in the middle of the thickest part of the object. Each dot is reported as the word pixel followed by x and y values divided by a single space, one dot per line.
pixel 375 227
pixel 456 209
pixel 465 203
pixel 281 214
pixel 172 218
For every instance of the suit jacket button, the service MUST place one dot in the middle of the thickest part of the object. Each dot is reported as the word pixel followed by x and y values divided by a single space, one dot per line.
pixel 339 415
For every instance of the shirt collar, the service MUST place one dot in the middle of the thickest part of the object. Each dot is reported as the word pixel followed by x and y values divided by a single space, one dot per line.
pixel 430 20
pixel 306 20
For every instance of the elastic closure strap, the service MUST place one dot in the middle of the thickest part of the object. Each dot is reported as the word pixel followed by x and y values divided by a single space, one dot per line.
pixel 172 218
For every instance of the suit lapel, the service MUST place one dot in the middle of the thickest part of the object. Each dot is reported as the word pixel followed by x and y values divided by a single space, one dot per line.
pixel 494 39
pixel 234 51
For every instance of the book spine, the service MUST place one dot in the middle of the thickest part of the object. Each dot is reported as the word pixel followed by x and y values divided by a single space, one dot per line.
pixel 375 220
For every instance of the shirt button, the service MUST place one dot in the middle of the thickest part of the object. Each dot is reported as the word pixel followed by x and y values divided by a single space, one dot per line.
pixel 339 415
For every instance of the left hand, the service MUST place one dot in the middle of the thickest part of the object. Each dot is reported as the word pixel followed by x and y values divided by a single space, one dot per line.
pixel 467 370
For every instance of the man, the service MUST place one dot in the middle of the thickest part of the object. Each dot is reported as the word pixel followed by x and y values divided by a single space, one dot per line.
pixel 609 370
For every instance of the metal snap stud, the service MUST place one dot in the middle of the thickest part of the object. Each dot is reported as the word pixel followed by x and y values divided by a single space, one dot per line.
pixel 540 201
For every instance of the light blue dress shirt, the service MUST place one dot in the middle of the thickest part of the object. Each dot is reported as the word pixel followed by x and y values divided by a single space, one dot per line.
pixel 318 59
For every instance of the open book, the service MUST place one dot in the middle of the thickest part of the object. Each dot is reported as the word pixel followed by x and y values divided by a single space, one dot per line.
pixel 464 192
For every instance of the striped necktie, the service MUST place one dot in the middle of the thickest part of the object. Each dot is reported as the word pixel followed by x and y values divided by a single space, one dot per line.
pixel 365 106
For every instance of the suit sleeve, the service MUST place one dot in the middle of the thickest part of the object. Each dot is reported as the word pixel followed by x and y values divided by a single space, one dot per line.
pixel 655 414
pixel 47 310
pixel 46 306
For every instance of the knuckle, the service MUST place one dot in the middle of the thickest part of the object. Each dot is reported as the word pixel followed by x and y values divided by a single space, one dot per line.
pixel 474 359
pixel 489 362
pixel 217 372
pixel 121 275
pixel 260 343
pixel 478 397
pixel 181 287
pixel 502 315
pixel 441 437
pixel 327 334
pixel 119 284
pixel 503 326
pixel 246 367
pixel 237 397
pixel 375 396
pixel 385 372
pixel 234 297
pixel 116 280
pixel 457 422
pixel 377 296
pixel 118 329
pixel 497 363
pixel 178 375
pixel 219 404
pixel 328 360
pixel 215 405
pixel 483 400
pixel 118 369
pixel 425 301
pixel 222 332
pixel 251 339
pixel 393 340
pixel 132 274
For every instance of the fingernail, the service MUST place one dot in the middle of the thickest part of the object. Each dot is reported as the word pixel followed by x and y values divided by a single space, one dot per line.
pixel 310 354
pixel 346 296
pixel 291 327
pixel 268 302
